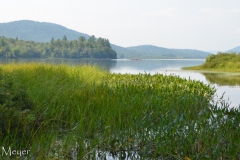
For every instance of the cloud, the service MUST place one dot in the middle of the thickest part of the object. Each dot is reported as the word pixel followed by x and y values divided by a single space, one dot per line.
pixel 238 31
pixel 171 11
pixel 212 10
pixel 233 11
pixel 207 10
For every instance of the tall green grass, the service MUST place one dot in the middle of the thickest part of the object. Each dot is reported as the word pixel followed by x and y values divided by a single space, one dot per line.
pixel 228 62
pixel 83 112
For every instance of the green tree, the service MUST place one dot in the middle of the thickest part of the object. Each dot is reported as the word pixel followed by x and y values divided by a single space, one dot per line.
pixel 92 39
pixel 63 48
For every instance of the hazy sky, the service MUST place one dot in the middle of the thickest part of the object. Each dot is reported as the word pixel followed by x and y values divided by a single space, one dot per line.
pixel 193 24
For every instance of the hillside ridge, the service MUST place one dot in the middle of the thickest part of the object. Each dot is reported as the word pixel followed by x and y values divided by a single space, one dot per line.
pixel 44 31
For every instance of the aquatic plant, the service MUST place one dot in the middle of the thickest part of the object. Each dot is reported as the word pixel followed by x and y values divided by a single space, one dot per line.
pixel 84 112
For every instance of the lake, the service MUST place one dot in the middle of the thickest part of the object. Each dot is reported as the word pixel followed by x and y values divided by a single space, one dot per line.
pixel 226 83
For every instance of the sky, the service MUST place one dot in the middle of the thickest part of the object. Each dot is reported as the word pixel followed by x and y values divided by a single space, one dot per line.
pixel 184 24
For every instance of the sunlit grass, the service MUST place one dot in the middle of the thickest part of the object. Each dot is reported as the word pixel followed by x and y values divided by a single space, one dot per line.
pixel 221 62
pixel 79 111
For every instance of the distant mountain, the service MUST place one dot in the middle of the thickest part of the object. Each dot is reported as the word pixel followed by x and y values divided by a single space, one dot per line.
pixel 214 51
pixel 236 49
pixel 37 31
pixel 150 51
pixel 43 32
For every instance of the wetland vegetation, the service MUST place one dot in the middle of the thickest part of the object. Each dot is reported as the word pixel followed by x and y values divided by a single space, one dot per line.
pixel 228 62
pixel 82 112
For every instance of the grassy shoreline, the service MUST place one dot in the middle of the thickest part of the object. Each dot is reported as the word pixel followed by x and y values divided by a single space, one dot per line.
pixel 221 62
pixel 79 111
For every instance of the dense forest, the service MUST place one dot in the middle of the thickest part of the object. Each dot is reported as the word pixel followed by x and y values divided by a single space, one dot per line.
pixel 61 48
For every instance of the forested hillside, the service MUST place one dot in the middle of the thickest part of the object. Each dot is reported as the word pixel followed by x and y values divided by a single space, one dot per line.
pixel 81 48
pixel 43 32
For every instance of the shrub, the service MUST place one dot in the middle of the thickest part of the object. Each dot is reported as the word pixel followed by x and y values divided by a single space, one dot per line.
pixel 16 115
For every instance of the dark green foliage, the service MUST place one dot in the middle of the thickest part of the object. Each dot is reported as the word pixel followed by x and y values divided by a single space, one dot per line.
pixel 13 48
pixel 16 115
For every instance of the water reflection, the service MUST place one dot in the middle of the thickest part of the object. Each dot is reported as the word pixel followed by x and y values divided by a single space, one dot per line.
pixel 223 79
pixel 153 65
pixel 226 83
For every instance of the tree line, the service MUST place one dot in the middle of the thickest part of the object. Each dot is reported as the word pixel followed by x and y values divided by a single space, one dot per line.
pixel 61 48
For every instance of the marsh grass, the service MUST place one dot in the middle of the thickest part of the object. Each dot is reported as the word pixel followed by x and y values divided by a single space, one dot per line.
pixel 222 62
pixel 82 112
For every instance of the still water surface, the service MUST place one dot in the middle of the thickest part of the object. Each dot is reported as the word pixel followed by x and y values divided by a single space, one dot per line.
pixel 226 83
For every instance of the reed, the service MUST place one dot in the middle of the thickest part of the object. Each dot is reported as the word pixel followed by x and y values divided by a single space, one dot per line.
pixel 83 112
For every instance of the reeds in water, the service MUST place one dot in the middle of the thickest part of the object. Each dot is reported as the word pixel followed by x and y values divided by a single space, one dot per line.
pixel 82 112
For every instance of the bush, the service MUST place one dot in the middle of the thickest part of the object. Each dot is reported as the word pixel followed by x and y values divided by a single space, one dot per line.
pixel 16 115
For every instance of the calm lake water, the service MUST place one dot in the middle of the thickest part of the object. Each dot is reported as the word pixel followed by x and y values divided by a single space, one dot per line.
pixel 226 83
